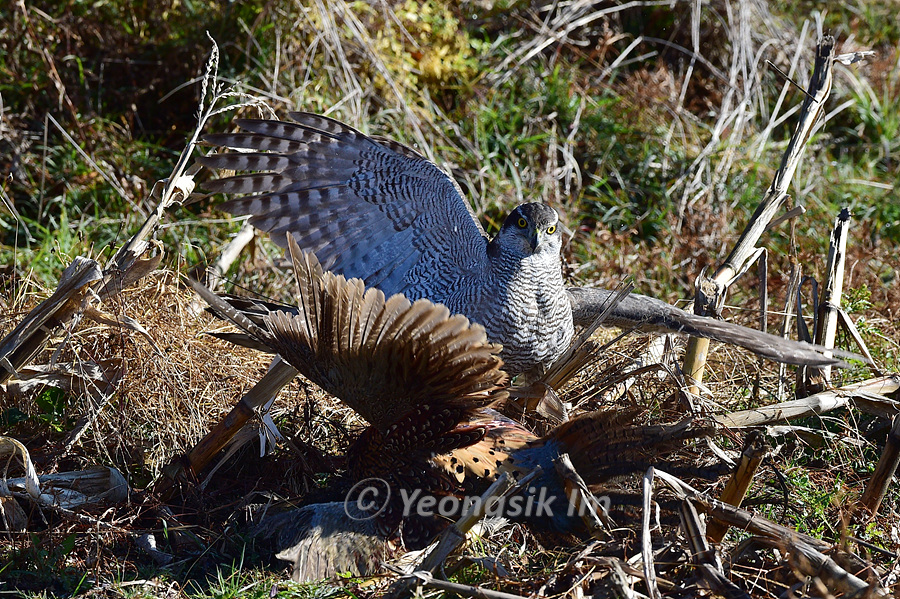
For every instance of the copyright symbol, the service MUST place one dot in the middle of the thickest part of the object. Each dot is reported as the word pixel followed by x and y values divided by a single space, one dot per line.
pixel 365 496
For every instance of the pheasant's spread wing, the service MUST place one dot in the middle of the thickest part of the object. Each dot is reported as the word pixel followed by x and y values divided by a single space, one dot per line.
pixel 385 358
pixel 322 539
pixel 372 210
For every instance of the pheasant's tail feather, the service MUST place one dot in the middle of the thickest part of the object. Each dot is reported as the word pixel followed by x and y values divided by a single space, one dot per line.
pixel 253 308
pixel 290 338
pixel 608 443
pixel 651 315
pixel 223 309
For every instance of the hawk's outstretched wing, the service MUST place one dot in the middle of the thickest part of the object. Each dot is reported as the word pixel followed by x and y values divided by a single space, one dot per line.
pixel 372 210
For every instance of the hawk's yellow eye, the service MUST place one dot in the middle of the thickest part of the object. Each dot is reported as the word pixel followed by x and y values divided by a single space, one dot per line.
pixel 522 223
pixel 551 229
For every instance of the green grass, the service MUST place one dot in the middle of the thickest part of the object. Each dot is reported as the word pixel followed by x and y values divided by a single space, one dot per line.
pixel 619 140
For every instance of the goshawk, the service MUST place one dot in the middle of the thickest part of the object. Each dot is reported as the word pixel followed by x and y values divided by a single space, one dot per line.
pixel 376 210
pixel 379 211
pixel 426 382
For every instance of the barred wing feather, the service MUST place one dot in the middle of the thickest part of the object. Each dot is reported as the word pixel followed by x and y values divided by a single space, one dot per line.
pixel 368 209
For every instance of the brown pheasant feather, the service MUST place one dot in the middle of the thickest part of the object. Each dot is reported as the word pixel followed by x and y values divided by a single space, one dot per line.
pixel 609 443
pixel 388 359
pixel 384 358
pixel 490 456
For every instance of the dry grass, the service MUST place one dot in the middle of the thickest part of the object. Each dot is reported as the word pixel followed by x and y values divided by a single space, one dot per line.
pixel 166 399
pixel 166 402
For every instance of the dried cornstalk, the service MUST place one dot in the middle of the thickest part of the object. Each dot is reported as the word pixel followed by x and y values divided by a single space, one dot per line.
pixel 736 488
pixel 869 396
pixel 280 374
pixel 704 557
pixel 817 378
pixel 878 484
pixel 595 517
pixel 646 544
pixel 636 312
pixel 83 282
pixel 31 335
pixel 711 291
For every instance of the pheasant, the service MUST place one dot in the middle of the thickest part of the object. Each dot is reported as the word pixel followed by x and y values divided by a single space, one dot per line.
pixel 427 382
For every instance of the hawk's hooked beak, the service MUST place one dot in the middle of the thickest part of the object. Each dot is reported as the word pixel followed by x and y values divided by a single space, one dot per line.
pixel 535 239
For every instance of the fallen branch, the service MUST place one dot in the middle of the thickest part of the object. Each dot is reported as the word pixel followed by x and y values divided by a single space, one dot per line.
pixel 869 396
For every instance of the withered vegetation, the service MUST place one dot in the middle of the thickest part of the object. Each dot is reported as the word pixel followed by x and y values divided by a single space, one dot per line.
pixel 654 130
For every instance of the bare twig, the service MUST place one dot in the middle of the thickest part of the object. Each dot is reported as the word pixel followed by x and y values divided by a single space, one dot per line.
pixel 229 254
pixel 112 182
pixel 426 579
pixel 105 396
